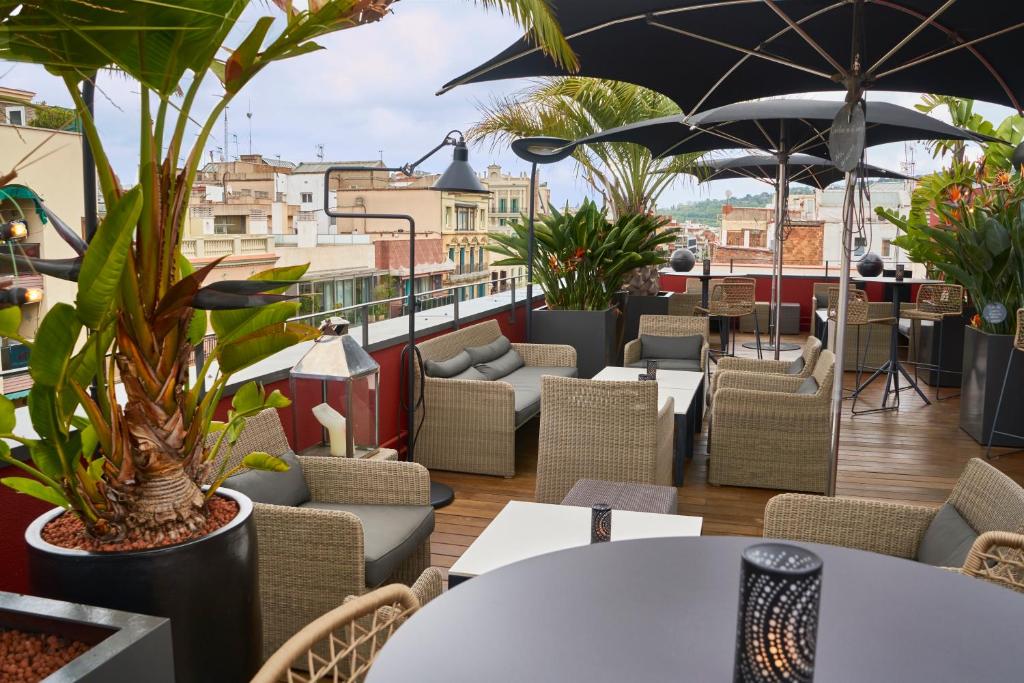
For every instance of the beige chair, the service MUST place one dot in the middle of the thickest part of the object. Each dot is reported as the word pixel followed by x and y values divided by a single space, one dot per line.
pixel 859 315
pixel 801 367
pixel 872 355
pixel 684 303
pixel 997 556
pixel 312 557
pixel 730 300
pixel 610 431
pixel 988 500
pixel 341 645
pixel 935 303
pixel 1018 347
pixel 469 425
pixel 667 326
pixel 772 431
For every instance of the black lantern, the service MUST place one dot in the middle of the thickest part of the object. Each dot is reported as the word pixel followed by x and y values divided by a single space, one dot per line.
pixel 777 626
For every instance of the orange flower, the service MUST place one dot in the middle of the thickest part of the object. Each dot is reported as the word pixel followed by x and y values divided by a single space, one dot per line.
pixel 1003 178
pixel 955 194
pixel 956 214
pixel 580 251
pixel 976 321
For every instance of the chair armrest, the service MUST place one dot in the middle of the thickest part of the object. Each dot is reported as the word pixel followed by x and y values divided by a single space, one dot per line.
pixel 547 355
pixel 766 366
pixel 428 586
pixel 733 379
pixel 631 352
pixel 367 482
pixel 877 526
pixel 997 556
pixel 705 349
pixel 664 459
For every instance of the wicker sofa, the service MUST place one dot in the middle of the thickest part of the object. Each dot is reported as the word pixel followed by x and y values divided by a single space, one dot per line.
pixel 801 367
pixel 312 557
pixel 765 434
pixel 470 425
pixel 667 326
pixel 991 502
pixel 609 431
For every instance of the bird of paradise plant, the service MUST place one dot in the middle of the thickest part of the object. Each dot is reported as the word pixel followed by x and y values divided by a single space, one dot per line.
pixel 137 466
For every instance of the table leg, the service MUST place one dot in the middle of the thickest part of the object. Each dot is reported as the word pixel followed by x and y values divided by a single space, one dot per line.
pixel 704 293
pixel 682 442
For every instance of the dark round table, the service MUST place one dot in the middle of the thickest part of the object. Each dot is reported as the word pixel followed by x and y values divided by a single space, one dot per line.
pixel 665 610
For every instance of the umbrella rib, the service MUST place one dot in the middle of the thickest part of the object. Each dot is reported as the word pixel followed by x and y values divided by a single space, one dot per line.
pixel 929 21
pixel 807 38
pixel 772 144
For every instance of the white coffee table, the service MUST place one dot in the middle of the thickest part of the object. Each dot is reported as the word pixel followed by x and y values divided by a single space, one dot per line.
pixel 523 530
pixel 686 389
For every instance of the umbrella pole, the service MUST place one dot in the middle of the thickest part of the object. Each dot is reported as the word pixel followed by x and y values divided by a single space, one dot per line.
pixel 530 246
pixel 839 335
pixel 781 194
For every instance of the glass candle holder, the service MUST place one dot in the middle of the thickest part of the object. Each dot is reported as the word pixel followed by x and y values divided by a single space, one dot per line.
pixel 900 272
pixel 652 369
pixel 707 266
pixel 600 523
pixel 777 626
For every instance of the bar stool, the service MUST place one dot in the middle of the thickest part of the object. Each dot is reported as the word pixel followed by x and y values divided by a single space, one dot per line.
pixel 730 300
pixel 1018 345
pixel 858 314
pixel 935 303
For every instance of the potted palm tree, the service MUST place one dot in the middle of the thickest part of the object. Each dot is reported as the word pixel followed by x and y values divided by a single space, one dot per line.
pixel 121 429
pixel 581 260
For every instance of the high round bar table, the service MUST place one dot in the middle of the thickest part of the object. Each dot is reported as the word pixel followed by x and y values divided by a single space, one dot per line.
pixel 665 610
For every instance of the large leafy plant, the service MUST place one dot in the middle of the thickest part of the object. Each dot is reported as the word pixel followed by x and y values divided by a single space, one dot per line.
pixel 582 258
pixel 137 465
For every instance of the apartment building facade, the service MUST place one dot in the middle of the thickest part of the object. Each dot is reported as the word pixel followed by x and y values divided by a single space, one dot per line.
pixel 510 202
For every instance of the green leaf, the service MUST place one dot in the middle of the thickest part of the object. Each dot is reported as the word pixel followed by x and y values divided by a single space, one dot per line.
pixel 54 343
pixel 198 323
pixel 277 400
pixel 226 322
pixel 263 344
pixel 7 419
pixel 105 259
pixel 258 460
pixel 42 403
pixel 36 489
pixel 997 238
pixel 44 457
pixel 216 426
pixel 89 441
pixel 249 397
pixel 10 321
pixel 95 469
pixel 260 318
pixel 238 67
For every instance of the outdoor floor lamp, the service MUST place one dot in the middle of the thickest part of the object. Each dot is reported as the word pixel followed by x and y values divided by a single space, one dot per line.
pixel 537 150
pixel 459 177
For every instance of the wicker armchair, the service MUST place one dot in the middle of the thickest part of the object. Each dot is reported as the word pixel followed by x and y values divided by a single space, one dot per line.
pixel 684 303
pixel 487 444
pixel 766 435
pixel 871 351
pixel 668 326
pixel 991 502
pixel 340 646
pixel 809 356
pixel 311 559
pixel 610 431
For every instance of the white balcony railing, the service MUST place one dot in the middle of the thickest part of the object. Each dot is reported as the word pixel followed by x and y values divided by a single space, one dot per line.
pixel 227 245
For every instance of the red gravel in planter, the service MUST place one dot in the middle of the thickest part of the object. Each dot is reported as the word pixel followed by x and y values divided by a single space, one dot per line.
pixel 68 530
pixel 31 657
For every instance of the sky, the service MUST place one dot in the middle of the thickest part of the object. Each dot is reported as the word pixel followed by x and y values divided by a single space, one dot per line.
pixel 371 94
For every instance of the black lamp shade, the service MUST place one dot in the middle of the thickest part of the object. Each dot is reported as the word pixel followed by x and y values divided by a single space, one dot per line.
pixel 460 177
pixel 542 149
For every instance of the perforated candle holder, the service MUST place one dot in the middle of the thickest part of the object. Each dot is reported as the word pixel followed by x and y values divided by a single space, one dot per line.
pixel 777 626
pixel 600 523
pixel 652 369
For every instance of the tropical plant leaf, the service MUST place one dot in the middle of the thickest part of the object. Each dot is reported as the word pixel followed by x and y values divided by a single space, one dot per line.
pixel 7 418
pixel 36 489
pixel 10 321
pixel 226 321
pixel 45 457
pixel 263 344
pixel 54 343
pixel 104 260
pixel 258 460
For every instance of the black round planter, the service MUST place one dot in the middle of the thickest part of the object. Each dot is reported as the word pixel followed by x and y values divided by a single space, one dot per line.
pixel 207 587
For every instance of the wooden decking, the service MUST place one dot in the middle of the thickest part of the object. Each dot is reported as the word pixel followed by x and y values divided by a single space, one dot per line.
pixel 913 455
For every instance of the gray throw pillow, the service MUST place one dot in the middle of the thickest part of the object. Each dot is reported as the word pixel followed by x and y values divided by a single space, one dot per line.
pixel 796 367
pixel 470 373
pixel 681 348
pixel 274 488
pixel 448 368
pixel 501 366
pixel 488 352
pixel 947 540
pixel 809 387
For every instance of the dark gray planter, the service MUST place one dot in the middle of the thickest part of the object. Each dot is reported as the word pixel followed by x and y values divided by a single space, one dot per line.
pixel 984 366
pixel 952 332
pixel 636 306
pixel 591 333
pixel 126 647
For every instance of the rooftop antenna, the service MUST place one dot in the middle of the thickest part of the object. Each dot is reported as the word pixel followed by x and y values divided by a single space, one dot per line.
pixel 320 152
pixel 908 165
pixel 237 153
pixel 248 115
pixel 227 138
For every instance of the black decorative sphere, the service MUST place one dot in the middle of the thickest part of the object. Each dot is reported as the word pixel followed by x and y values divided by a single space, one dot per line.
pixel 870 265
pixel 682 260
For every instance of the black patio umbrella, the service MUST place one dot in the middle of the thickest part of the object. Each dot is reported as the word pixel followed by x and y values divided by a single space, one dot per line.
pixel 806 169
pixel 746 49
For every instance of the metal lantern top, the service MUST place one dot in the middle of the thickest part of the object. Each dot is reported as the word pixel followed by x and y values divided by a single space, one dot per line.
pixel 335 356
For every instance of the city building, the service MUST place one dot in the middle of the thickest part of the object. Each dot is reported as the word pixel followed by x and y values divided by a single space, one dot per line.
pixel 16 106
pixel 746 226
pixel 877 234
pixel 510 202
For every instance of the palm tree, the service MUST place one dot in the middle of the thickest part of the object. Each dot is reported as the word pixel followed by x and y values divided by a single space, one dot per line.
pixel 138 467
pixel 624 174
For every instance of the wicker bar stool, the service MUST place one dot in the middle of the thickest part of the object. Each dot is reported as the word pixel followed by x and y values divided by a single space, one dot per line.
pixel 1018 345
pixel 730 300
pixel 935 303
pixel 858 313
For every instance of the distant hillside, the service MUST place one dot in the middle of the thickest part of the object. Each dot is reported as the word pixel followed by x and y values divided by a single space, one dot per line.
pixel 709 211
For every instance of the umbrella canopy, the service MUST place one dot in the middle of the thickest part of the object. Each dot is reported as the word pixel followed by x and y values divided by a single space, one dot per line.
pixel 706 53
pixel 810 170
pixel 793 125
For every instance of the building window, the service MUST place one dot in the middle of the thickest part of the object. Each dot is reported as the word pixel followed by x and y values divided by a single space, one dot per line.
pixel 501 221
pixel 757 238
pixel 462 259
pixel 306 198
pixel 229 225
pixel 465 218
pixel 515 205
pixel 886 248
pixel 481 259
pixel 16 116
pixel 451 254
pixel 261 194
pixel 501 206
pixel 447 216
pixel 860 245
pixel 471 259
